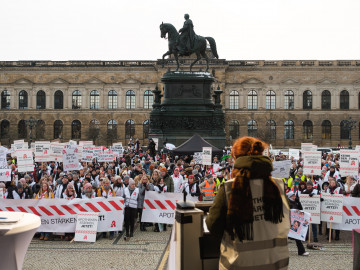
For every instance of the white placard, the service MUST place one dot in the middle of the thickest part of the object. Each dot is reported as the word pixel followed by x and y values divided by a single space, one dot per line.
pixel 312 162
pixel 70 158
pixel 198 157
pixel 156 141
pixel 87 154
pixel 281 169
pixel 299 224
pixel 42 151
pixel 332 207
pixel 351 215
pixel 106 157
pixel 25 160
pixel 312 206
pixel 349 163
pixel 295 153
pixel 86 227
pixel 19 144
pixel 5 175
pixel 56 150
pixel 3 161
pixel 206 155
pixel 97 151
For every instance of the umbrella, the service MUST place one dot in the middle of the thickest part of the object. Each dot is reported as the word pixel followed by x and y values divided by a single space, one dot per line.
pixel 169 146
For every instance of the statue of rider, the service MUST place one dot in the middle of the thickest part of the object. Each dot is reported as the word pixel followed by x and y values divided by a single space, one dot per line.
pixel 186 38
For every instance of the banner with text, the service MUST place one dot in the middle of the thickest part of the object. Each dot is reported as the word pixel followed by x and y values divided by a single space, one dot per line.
pixel 349 162
pixel 25 160
pixel 86 227
pixel 206 155
pixel 281 169
pixel 312 162
pixel 299 224
pixel 312 206
pixel 70 158
pixel 60 215
pixel 160 207
pixel 351 215
pixel 332 207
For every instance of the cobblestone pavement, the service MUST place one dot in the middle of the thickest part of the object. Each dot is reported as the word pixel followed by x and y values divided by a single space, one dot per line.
pixel 146 249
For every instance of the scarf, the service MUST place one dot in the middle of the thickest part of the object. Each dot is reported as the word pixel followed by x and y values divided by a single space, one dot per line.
pixel 240 206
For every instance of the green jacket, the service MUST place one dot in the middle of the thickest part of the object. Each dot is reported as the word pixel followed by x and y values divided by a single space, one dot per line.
pixel 216 218
pixel 169 183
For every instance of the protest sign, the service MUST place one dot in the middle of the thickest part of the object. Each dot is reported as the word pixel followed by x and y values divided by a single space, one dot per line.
pixel 3 161
pixel 349 162
pixel 351 215
pixel 332 207
pixel 86 227
pixel 25 160
pixel 70 158
pixel 59 215
pixel 42 151
pixel 106 157
pixel 87 154
pixel 281 169
pixel 198 157
pixel 160 207
pixel 5 175
pixel 206 155
pixel 312 206
pixel 312 162
pixel 19 144
pixel 295 153
pixel 97 150
pixel 56 151
pixel 299 224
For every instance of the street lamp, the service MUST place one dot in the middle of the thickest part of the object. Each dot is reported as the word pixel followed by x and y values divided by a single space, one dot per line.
pixel 31 123
pixel 350 125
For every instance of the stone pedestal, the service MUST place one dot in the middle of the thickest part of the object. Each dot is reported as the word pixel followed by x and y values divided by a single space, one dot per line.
pixel 187 108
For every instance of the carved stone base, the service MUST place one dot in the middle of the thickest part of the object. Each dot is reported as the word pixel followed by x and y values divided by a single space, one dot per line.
pixel 187 108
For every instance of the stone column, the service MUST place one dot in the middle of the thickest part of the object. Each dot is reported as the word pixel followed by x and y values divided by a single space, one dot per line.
pixel 48 95
pixel 13 98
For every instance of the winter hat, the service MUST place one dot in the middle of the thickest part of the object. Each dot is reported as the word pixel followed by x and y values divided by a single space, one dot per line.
pixel 163 169
pixel 323 185
pixel 290 193
pixel 19 186
pixel 131 182
pixel 87 185
pixel 126 177
pixel 309 183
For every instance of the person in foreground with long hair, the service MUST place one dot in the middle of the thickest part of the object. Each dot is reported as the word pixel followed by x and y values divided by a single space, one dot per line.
pixel 250 212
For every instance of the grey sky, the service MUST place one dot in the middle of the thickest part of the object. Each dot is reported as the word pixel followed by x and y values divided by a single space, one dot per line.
pixel 129 30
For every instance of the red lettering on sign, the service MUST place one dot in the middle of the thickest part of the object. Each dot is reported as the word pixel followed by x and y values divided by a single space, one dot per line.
pixel 76 150
pixel 85 237
pixel 353 162
pixel 113 224
pixel 331 218
pixel 7 173
pixel 25 156
pixel 45 152
pixel 64 152
pixel 312 171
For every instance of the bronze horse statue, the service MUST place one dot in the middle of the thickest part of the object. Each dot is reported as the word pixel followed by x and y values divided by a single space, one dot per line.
pixel 199 47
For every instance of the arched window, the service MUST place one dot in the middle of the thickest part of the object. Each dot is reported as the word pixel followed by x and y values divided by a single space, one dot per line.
pixel 252 100
pixel 344 131
pixel 252 128
pixel 148 99
pixel 307 100
pixel 76 100
pixel 234 100
pixel 22 130
pixel 270 100
pixel 130 99
pixel 5 128
pixel 94 100
pixel 23 100
pixel 40 129
pixel 146 129
pixel 112 100
pixel 40 100
pixel 5 99
pixel 129 129
pixel 325 100
pixel 234 130
pixel 94 130
pixel 289 100
pixel 76 129
pixel 58 127
pixel 326 130
pixel 59 100
pixel 271 129
pixel 344 100
pixel 308 129
pixel 289 130
pixel 111 130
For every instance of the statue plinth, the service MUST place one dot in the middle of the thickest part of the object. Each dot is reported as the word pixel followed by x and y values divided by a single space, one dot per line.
pixel 187 108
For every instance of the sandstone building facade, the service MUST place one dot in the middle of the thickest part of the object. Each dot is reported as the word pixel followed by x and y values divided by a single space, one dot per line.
pixel 283 102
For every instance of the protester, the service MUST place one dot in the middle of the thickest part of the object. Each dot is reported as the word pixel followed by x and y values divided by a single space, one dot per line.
pixel 44 193
pixel 131 195
pixel 143 186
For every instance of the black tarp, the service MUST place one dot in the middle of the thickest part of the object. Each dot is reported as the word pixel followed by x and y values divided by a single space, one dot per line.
pixel 195 144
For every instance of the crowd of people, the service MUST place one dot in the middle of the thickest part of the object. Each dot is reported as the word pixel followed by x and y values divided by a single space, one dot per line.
pixel 138 171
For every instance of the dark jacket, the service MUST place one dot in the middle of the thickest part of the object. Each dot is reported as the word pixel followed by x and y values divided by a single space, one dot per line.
pixel 295 204
pixel 169 183
pixel 356 191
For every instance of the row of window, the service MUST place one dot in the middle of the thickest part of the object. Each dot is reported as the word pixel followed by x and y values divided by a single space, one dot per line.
pixel 76 129
pixel 252 100
pixel 270 131
pixel 77 99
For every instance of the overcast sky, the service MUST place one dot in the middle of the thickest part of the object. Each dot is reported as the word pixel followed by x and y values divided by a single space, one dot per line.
pixel 129 30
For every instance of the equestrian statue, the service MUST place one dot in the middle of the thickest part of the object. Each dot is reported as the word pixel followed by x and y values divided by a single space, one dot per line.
pixel 187 42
